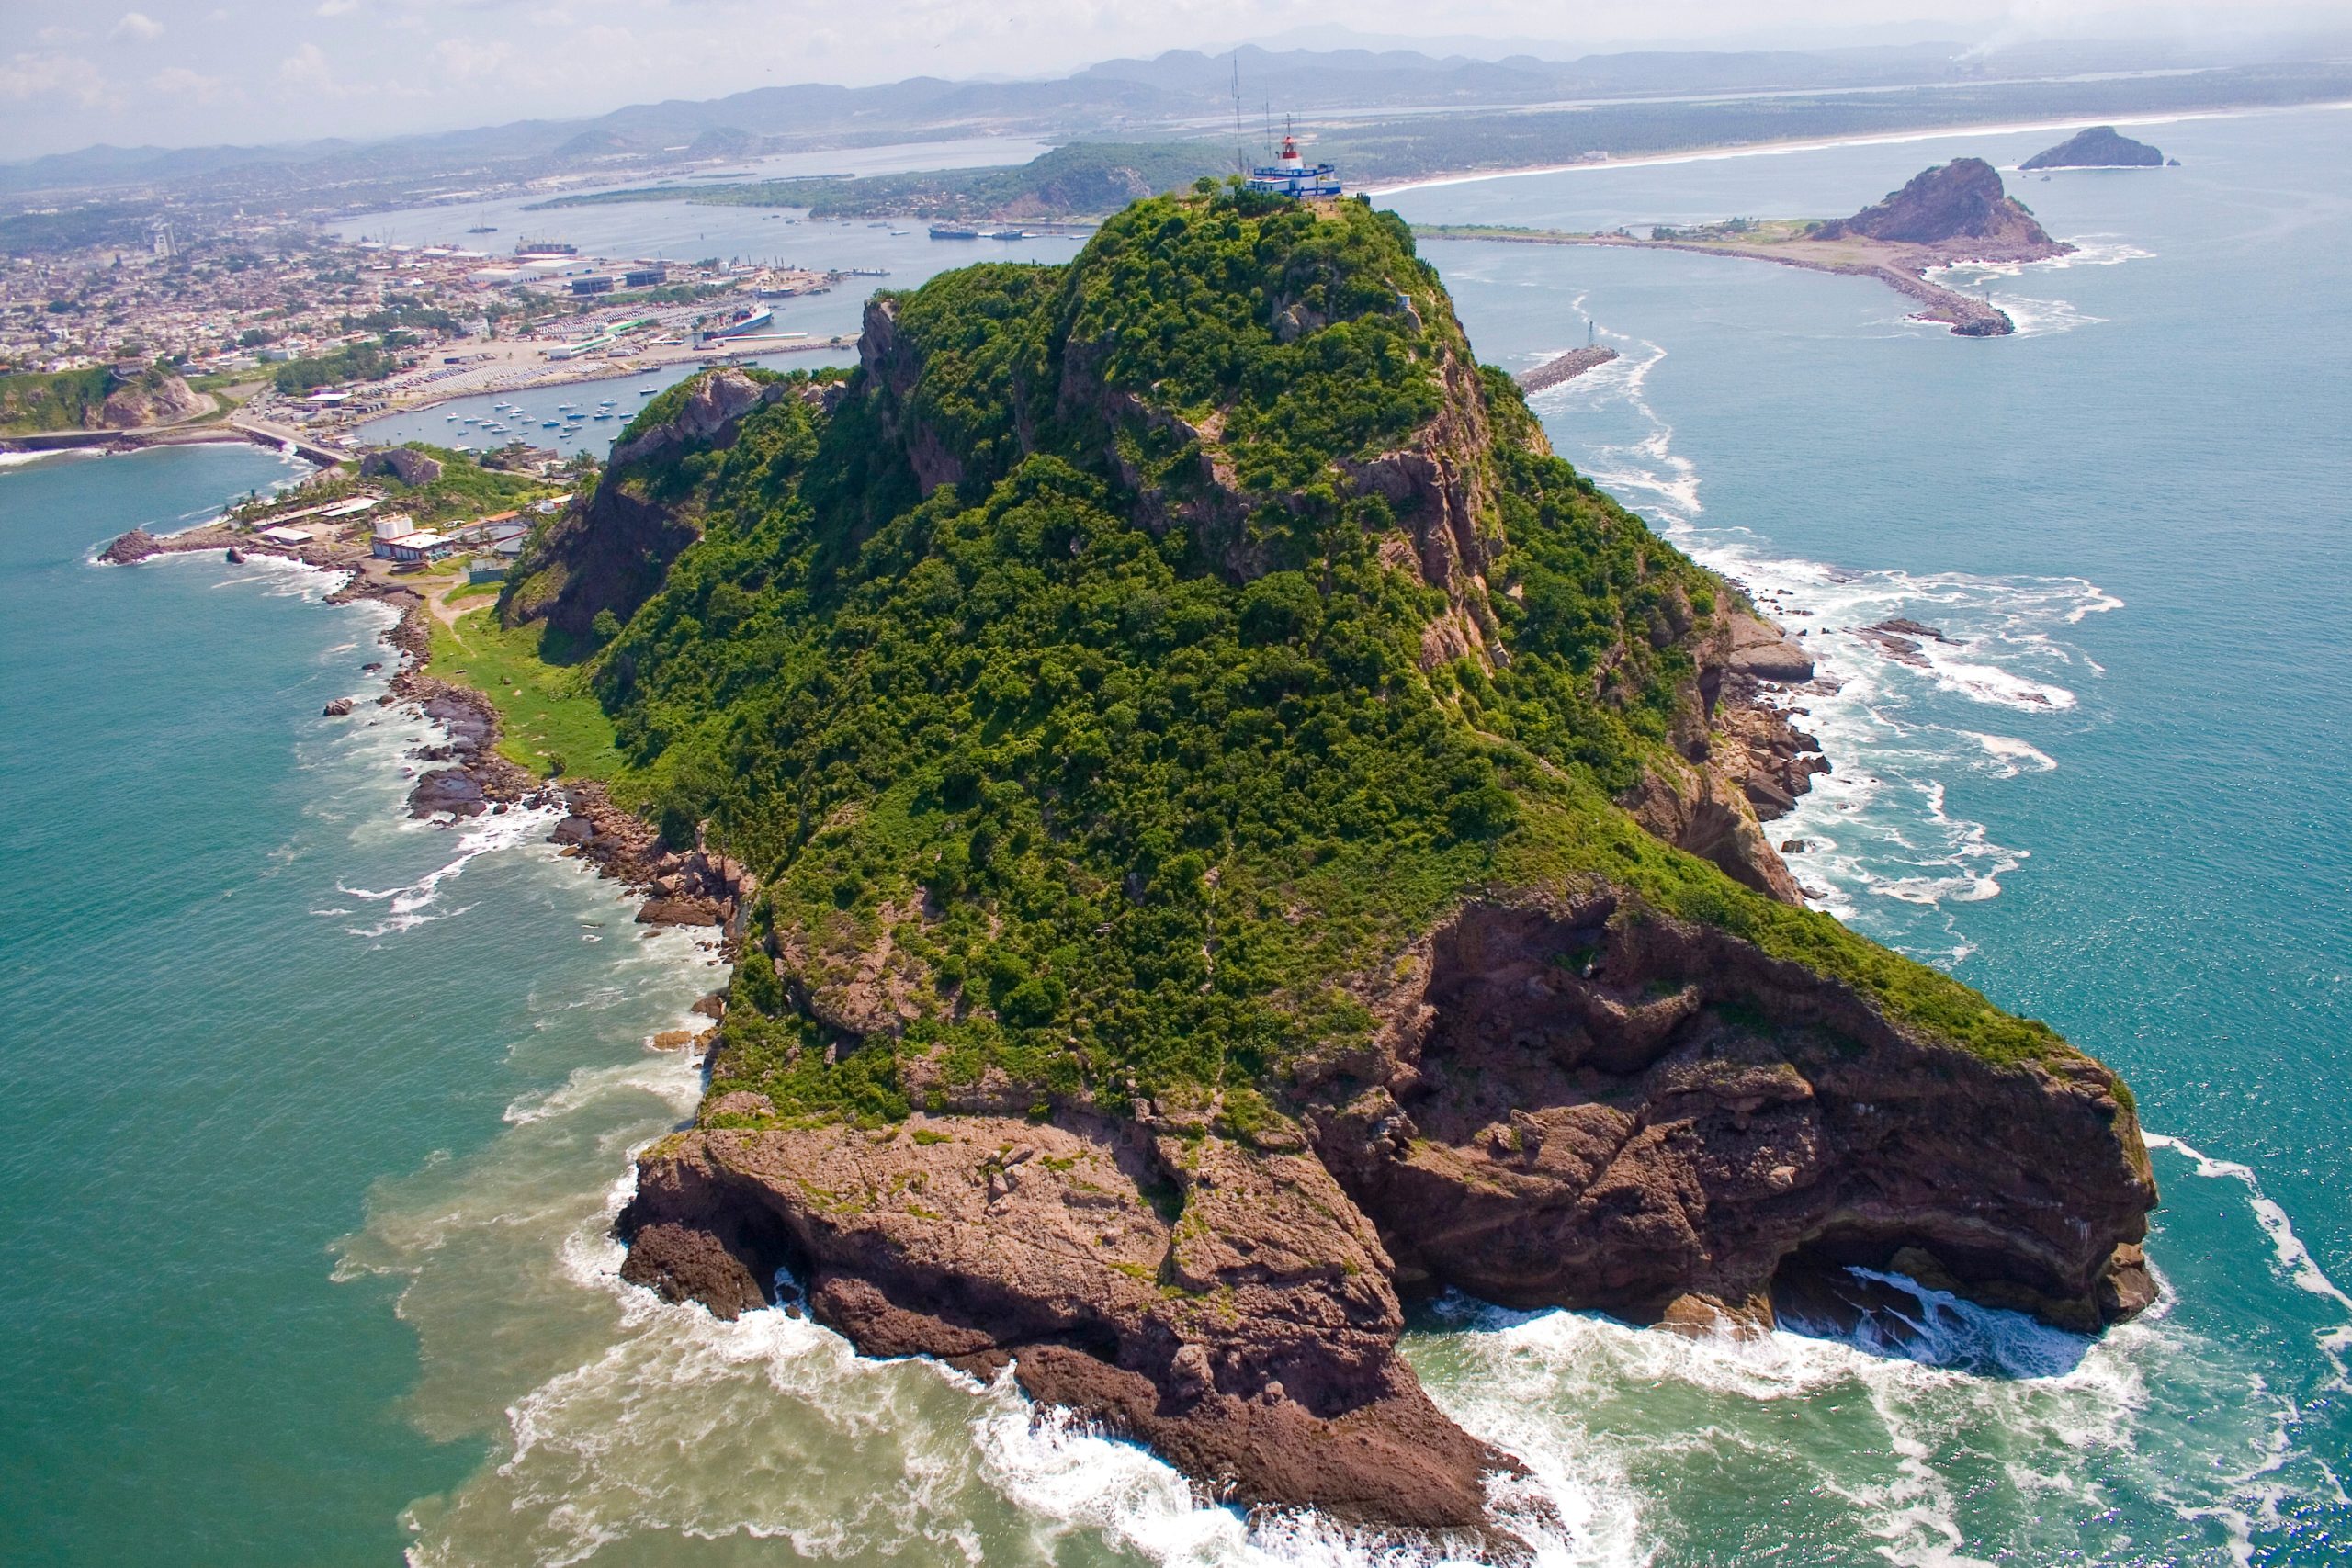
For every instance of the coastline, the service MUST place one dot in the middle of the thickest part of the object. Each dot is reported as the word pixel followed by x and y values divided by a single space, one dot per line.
pixel 1903 273
pixel 1823 144
pixel 471 778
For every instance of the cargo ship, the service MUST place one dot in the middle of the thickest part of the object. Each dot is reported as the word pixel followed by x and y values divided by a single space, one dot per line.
pixel 945 231
pixel 545 248
pixel 741 322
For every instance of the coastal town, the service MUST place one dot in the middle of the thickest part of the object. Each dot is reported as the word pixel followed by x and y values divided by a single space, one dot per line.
pixel 286 336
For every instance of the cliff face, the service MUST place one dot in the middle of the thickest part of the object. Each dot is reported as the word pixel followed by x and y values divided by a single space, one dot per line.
pixel 1245 834
pixel 159 397
pixel 1959 208
pixel 2098 147
pixel 1577 1102
pixel 613 550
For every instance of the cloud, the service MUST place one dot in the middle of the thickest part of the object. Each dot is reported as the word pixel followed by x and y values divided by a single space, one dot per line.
pixel 306 71
pixel 136 27
pixel 28 76
pixel 463 59
pixel 337 7
pixel 179 82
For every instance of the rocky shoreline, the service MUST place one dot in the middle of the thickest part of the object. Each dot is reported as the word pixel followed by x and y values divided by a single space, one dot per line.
pixel 688 888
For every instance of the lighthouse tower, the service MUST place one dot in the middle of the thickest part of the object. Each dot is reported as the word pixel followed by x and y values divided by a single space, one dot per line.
pixel 1294 176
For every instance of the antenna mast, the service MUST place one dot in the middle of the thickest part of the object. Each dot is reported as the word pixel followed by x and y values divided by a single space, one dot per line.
pixel 1240 152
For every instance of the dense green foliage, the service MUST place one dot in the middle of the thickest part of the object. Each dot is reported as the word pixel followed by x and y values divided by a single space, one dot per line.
pixel 465 490
pixel 1108 787
pixel 354 362
pixel 62 400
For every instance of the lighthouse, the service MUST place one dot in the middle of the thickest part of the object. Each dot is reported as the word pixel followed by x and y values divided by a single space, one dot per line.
pixel 1294 176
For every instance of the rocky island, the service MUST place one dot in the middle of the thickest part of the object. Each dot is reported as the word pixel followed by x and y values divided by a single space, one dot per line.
pixel 2099 147
pixel 1228 834
pixel 1954 212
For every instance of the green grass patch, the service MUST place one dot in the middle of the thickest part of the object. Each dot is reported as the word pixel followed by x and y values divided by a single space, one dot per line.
pixel 548 714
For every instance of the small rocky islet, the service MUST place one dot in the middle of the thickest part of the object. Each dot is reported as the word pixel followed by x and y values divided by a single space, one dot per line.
pixel 2095 147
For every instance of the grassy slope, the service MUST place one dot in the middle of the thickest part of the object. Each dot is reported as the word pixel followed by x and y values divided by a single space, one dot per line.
pixel 1127 820
pixel 546 713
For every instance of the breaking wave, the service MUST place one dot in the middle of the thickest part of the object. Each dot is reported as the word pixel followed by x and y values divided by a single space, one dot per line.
pixel 1883 848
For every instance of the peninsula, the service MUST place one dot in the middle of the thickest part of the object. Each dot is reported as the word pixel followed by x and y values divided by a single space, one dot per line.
pixel 1953 212
pixel 1235 834
pixel 1223 832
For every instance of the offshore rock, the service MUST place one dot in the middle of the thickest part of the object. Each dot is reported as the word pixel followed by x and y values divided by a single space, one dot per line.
pixel 2098 147
pixel 1228 1306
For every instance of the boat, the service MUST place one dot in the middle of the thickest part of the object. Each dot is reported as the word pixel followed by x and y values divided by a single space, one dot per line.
pixel 551 425
pixel 483 229
pixel 1009 234
pixel 603 416
pixel 647 391
pixel 943 232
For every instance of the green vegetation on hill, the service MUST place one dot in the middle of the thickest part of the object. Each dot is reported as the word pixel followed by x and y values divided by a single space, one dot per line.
pixel 1110 762
pixel 465 490
pixel 62 400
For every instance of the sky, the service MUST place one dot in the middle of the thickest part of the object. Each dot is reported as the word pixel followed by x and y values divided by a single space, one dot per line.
pixel 186 72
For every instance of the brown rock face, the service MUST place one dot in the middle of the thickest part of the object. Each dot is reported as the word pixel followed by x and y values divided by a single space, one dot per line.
pixel 1581 1105
pixel 133 546
pixel 1959 205
pixel 158 396
pixel 1228 1306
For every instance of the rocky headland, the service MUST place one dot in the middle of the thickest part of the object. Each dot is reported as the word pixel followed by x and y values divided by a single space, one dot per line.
pixel 1223 833
pixel 1572 1073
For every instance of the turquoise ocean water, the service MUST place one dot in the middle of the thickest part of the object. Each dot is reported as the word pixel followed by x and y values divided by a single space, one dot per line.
pixel 316 1117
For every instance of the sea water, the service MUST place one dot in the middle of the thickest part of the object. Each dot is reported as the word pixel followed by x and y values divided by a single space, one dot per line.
pixel 317 1118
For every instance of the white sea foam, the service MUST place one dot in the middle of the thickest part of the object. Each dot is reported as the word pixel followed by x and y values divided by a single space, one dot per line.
pixel 1878 830
pixel 413 904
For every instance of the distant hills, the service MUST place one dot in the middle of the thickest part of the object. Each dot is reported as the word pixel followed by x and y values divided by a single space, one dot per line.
pixel 1391 113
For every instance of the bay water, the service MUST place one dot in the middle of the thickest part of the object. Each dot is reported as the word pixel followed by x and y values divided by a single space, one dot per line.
pixel 317 1118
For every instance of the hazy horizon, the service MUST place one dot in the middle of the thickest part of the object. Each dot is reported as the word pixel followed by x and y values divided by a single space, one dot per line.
pixel 191 72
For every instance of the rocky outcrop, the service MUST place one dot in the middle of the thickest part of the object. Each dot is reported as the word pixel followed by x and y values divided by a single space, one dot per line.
pixel 1226 1305
pixel 1578 1102
pixel 1743 764
pixel 402 463
pixel 611 551
pixel 131 548
pixel 155 397
pixel 2098 147
pixel 1958 209
pixel 708 417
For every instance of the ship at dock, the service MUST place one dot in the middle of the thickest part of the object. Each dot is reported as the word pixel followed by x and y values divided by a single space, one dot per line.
pixel 949 232
pixel 739 323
